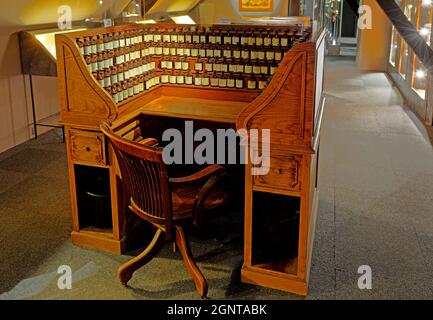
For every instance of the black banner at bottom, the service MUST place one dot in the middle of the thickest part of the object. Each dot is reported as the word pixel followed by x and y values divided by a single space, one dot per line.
pixel 208 309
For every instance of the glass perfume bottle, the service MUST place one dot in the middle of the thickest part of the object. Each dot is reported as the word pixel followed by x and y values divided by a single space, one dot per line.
pixel 205 80
pixel 189 79
pixel 252 82
pixel 231 81
pixel 263 82
pixel 107 78
pixel 239 81
pixel 214 81
pixel 222 81
pixel 80 45
pixel 198 79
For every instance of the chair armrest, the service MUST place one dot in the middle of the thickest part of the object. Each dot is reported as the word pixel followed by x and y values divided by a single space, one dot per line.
pixel 213 170
pixel 201 198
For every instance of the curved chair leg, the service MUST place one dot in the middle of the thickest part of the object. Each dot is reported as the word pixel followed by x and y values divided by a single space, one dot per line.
pixel 126 271
pixel 185 250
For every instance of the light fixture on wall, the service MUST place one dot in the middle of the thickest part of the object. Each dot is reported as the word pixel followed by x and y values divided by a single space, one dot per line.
pixel 426 3
pixel 183 19
pixel 48 40
pixel 133 9
pixel 420 74
pixel 424 32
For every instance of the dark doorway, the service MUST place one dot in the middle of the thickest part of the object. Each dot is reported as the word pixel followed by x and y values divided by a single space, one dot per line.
pixel 349 20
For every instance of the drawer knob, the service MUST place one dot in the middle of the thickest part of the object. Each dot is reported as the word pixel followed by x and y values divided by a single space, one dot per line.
pixel 88 149
pixel 278 171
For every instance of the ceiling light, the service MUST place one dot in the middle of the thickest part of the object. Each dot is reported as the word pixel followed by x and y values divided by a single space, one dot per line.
pixel 182 19
pixel 150 21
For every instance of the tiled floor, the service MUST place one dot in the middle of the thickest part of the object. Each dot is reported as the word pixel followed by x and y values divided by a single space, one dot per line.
pixel 376 201
pixel 375 209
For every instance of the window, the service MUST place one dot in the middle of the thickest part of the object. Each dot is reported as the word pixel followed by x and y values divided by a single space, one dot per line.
pixel 410 8
pixel 404 56
pixel 425 20
pixel 424 26
pixel 419 79
pixel 394 47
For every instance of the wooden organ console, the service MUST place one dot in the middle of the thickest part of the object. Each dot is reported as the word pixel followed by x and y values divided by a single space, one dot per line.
pixel 144 78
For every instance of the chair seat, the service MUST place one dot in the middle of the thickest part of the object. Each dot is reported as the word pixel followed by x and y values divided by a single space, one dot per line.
pixel 183 198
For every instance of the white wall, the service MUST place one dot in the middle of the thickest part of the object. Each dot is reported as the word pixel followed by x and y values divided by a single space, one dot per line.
pixel 13 106
pixel 33 12
pixel 15 103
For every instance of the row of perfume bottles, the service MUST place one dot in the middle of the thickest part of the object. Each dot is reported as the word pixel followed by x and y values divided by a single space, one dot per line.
pixel 125 89
pixel 112 74
pixel 215 51
pixel 105 60
pixel 222 65
pixel 267 38
pixel 216 79
pixel 118 73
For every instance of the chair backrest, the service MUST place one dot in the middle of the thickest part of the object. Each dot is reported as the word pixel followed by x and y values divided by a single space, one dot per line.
pixel 144 175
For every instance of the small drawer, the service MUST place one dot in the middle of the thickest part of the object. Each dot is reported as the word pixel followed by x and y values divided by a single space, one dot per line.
pixel 284 173
pixel 87 147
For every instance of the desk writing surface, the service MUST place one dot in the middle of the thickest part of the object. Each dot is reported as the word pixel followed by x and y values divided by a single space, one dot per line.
pixel 195 109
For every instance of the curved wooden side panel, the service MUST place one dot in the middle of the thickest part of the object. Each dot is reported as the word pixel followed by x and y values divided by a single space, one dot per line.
pixel 83 101
pixel 287 105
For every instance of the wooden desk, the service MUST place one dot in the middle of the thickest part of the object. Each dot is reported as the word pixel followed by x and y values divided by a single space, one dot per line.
pixel 290 107
pixel 192 109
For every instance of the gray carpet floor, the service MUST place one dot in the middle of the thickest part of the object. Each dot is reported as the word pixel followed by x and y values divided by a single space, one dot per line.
pixel 376 174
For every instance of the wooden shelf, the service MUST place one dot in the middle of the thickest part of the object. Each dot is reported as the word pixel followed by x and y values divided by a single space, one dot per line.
pixel 275 280
pixel 52 121
pixel 287 266
pixel 98 231
pixel 98 240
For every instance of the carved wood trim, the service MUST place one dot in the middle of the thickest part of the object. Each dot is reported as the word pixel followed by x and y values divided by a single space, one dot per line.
pixel 301 56
pixel 74 67
pixel 269 93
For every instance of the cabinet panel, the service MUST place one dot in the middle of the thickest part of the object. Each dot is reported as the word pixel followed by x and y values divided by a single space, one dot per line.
pixel 87 147
pixel 285 172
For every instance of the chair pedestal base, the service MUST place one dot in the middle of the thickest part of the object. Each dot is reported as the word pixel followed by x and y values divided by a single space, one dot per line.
pixel 127 270
pixel 183 246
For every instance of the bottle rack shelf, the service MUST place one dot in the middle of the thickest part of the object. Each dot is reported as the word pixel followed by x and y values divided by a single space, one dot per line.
pixel 133 60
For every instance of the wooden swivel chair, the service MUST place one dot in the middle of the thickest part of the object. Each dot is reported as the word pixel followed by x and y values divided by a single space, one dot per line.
pixel 168 204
